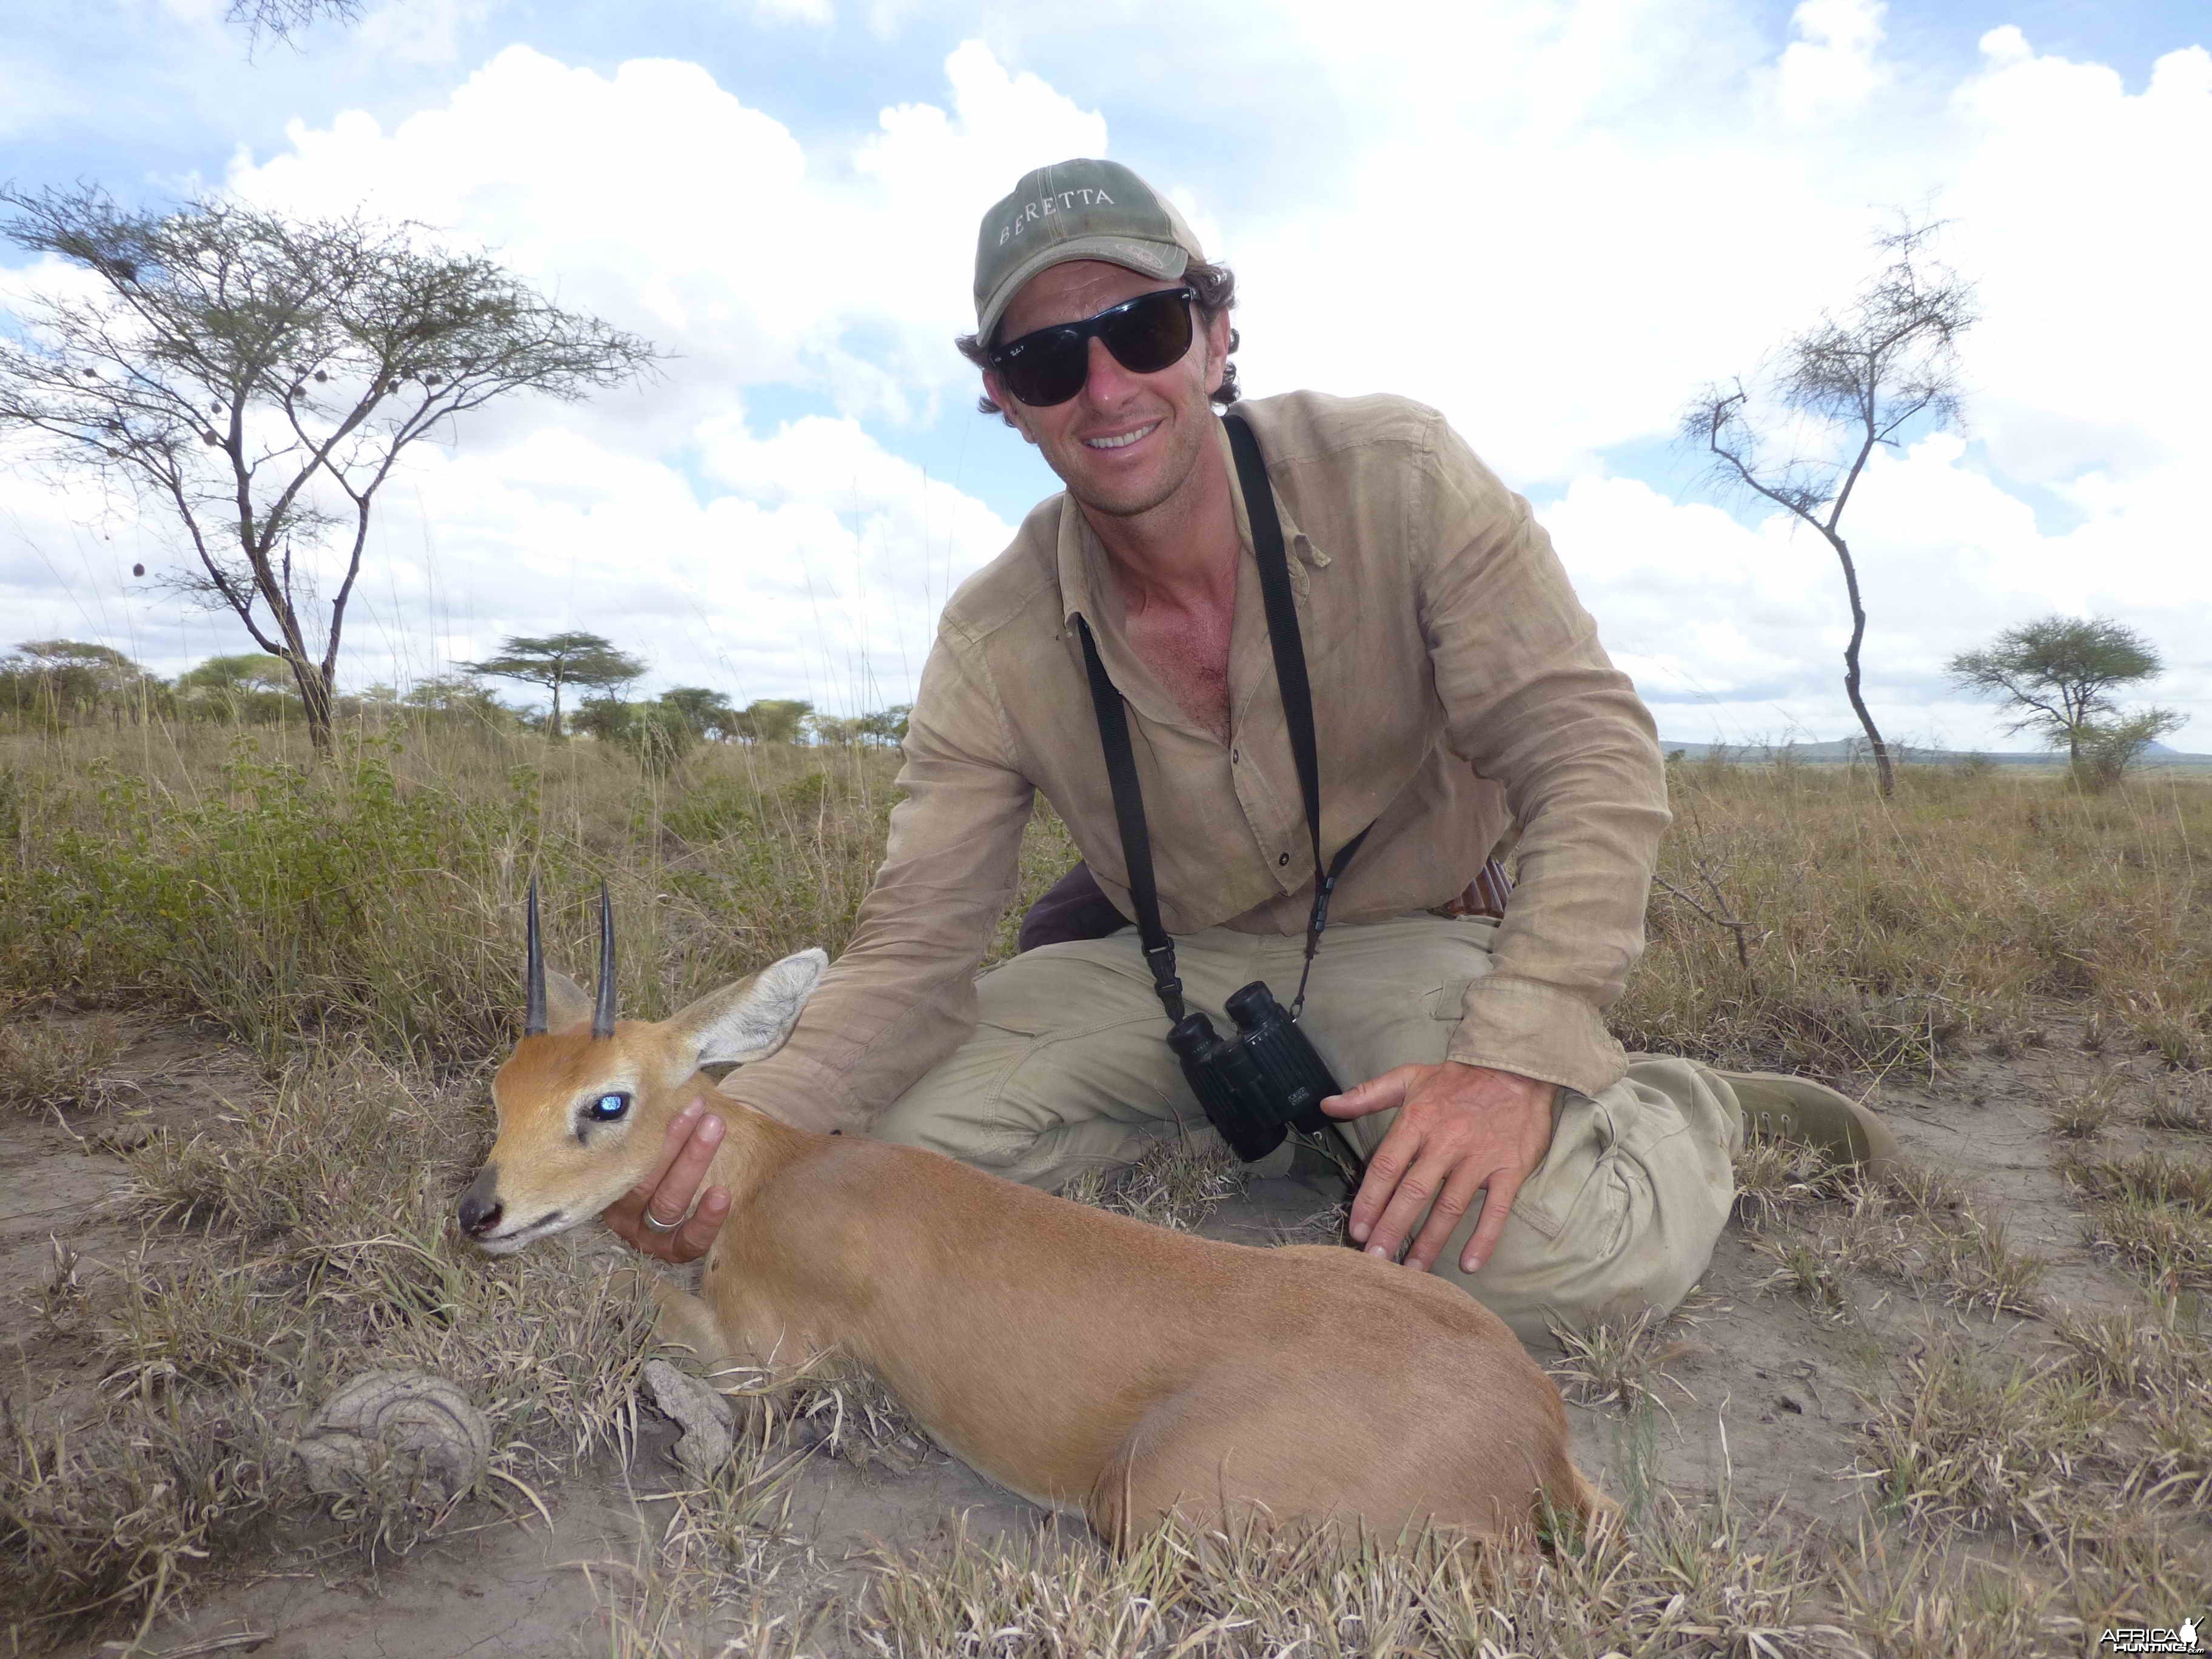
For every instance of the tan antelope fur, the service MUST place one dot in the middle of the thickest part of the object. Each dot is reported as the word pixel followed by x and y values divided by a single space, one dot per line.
pixel 1091 1363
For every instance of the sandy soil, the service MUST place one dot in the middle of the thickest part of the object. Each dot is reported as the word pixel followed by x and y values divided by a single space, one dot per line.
pixel 1762 1394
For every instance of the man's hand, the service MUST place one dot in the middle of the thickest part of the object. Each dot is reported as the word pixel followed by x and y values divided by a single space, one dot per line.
pixel 1461 1129
pixel 666 1192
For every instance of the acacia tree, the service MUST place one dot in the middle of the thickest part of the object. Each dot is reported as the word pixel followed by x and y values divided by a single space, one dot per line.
pixel 1799 433
pixel 772 720
pixel 2058 673
pixel 886 726
pixel 558 660
pixel 705 711
pixel 70 677
pixel 259 378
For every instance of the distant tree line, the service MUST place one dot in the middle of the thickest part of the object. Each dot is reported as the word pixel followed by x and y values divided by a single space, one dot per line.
pixel 64 682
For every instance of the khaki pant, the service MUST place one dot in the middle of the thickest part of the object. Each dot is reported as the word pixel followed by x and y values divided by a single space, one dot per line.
pixel 1069 1071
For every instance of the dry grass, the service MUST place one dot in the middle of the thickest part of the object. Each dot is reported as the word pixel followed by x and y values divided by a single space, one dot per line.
pixel 1176 1183
pixel 1690 1581
pixel 1618 1362
pixel 1776 1179
pixel 1916 1602
pixel 2159 1363
pixel 2096 1461
pixel 2086 1115
pixel 1917 1228
pixel 1894 936
pixel 1813 1269
pixel 710 1555
pixel 1956 1447
pixel 831 1405
pixel 2153 1212
pixel 381 894
pixel 1687 1584
pixel 2167 1179
pixel 53 1065
pixel 2182 1103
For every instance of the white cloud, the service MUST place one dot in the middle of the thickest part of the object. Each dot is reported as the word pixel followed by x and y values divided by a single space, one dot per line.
pixel 819 13
pixel 1738 630
pixel 2067 202
pixel 425 32
pixel 1832 66
pixel 1562 248
pixel 657 198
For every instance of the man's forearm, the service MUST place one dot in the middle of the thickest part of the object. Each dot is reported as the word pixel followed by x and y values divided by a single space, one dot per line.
pixel 901 994
pixel 889 1010
pixel 1592 810
pixel 1533 700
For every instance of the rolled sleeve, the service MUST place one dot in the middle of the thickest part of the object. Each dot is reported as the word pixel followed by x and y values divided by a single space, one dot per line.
pixel 901 996
pixel 1532 701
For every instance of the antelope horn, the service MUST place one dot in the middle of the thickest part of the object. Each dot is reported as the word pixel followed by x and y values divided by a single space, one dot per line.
pixel 603 1015
pixel 533 1006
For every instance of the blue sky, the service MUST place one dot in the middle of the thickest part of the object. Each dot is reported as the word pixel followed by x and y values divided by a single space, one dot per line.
pixel 1582 211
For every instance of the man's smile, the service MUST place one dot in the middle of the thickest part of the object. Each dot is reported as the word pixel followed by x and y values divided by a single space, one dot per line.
pixel 1119 440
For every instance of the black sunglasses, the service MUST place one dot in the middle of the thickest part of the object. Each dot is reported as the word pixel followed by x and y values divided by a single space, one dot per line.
pixel 1144 334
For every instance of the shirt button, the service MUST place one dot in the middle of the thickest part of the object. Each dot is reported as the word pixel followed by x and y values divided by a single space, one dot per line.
pixel 1283 860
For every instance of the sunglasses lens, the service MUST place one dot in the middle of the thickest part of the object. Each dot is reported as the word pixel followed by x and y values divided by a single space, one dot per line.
pixel 1150 334
pixel 1050 366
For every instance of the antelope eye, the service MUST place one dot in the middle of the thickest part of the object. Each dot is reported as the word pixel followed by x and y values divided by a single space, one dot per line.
pixel 607 1108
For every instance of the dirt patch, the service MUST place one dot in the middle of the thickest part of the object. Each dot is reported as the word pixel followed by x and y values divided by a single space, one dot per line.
pixel 61 1169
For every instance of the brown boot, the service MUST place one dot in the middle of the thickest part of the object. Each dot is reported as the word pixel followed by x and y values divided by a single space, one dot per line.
pixel 1802 1109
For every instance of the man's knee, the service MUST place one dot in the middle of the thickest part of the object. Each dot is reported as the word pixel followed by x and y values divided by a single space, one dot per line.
pixel 1624 1222
pixel 1616 1270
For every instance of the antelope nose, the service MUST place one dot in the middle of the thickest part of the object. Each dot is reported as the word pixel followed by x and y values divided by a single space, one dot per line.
pixel 480 1210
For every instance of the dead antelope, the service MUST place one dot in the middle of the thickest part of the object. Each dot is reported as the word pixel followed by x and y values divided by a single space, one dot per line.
pixel 1091 1363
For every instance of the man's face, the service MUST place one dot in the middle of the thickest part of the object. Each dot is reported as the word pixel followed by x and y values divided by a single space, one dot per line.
pixel 1169 412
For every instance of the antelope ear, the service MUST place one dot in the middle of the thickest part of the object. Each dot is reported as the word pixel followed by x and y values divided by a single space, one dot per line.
pixel 567 1007
pixel 751 1019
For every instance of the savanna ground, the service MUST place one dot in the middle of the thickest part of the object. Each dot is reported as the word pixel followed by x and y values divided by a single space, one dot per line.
pixel 251 1008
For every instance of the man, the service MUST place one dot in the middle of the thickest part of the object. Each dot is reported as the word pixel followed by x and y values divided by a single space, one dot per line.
pixel 1457 686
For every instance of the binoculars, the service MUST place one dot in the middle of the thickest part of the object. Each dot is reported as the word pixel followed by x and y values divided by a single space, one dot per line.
pixel 1259 1083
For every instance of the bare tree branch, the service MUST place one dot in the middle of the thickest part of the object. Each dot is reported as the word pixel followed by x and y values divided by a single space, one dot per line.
pixel 1846 386
pixel 286 19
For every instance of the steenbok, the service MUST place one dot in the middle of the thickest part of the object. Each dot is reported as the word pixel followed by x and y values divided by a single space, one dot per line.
pixel 1091 1363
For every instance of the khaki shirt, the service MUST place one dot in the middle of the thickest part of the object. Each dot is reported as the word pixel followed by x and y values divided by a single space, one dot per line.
pixel 1458 688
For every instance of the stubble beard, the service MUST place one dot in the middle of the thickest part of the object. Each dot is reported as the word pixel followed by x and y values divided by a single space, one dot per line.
pixel 1176 466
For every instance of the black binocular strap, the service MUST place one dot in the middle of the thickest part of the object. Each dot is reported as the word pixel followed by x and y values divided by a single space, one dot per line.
pixel 1129 817
pixel 1297 691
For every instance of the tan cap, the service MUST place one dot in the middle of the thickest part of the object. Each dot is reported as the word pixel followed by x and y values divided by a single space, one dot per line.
pixel 1077 209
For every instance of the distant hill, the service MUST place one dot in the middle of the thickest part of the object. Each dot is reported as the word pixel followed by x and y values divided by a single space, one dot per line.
pixel 1839 750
